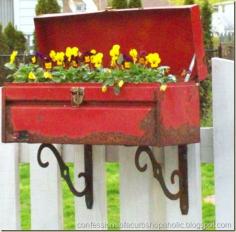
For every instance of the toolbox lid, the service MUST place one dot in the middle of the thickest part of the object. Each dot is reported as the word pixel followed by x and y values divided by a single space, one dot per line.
pixel 174 32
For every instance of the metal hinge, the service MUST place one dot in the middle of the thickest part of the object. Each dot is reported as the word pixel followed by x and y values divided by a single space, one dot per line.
pixel 77 96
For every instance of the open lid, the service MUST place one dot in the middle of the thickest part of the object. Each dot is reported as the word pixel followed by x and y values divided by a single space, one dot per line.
pixel 174 32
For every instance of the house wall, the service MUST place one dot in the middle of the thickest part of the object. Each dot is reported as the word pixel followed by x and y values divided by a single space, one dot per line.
pixel 6 12
pixel 24 13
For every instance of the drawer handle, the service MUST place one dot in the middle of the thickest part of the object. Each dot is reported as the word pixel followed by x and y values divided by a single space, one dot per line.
pixel 77 96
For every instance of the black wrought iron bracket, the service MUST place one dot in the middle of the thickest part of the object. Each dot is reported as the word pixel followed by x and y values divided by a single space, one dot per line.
pixel 182 174
pixel 65 172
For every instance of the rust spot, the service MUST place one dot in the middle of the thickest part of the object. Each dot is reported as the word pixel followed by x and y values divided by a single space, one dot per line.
pixel 155 134
pixel 112 138
pixel 185 134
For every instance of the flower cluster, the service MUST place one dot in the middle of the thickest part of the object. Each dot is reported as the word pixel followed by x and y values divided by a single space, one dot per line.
pixel 72 65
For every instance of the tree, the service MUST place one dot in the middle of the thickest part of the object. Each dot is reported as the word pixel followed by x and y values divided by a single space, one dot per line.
pixel 119 4
pixel 15 39
pixel 4 49
pixel 206 13
pixel 135 3
pixel 47 6
pixel 188 2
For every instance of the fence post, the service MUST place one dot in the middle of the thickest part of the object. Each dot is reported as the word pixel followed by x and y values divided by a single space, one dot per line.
pixel 95 218
pixel 142 205
pixel 223 123
pixel 45 191
pixel 9 183
pixel 193 219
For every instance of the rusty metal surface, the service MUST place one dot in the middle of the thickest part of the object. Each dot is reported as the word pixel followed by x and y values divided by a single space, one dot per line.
pixel 182 135
pixel 65 172
pixel 88 170
pixel 173 118
pixel 147 126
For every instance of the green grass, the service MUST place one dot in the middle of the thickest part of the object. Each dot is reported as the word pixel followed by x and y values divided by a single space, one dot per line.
pixel 208 209
pixel 112 170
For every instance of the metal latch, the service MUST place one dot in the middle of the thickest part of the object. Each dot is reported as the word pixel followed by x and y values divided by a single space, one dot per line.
pixel 77 96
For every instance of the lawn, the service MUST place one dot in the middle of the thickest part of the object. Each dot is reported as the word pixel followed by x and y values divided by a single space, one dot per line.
pixel 112 170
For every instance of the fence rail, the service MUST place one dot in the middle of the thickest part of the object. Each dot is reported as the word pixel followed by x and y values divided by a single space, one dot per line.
pixel 142 202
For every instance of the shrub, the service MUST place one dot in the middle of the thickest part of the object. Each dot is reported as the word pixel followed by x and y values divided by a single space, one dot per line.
pixel 47 6
pixel 15 39
pixel 206 85
pixel 135 3
pixel 206 13
pixel 189 2
pixel 119 4
pixel 4 49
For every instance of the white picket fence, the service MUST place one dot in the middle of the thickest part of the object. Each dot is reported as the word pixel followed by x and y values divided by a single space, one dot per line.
pixel 142 202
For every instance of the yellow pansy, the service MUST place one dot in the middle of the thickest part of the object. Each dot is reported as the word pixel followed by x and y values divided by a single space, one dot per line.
pixel 97 60
pixel 163 87
pixel 87 59
pixel 154 59
pixel 13 57
pixel 74 63
pixel 134 54
pixel 31 76
pixel 47 75
pixel 93 51
pixel 75 51
pixel 113 61
pixel 121 83
pixel 127 64
pixel 33 60
pixel 52 55
pixel 68 53
pixel 104 88
pixel 48 65
pixel 114 53
pixel 60 58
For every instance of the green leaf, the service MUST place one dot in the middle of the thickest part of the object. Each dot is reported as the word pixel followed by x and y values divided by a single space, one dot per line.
pixel 10 66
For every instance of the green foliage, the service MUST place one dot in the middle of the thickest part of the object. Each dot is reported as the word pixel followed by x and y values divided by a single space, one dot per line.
pixel 107 77
pixel 15 39
pixel 206 97
pixel 119 4
pixel 188 2
pixel 200 2
pixel 4 49
pixel 206 13
pixel 47 6
pixel 135 3
pixel 206 85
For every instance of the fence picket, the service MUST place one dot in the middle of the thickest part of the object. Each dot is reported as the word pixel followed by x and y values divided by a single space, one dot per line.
pixel 95 218
pixel 9 182
pixel 223 121
pixel 194 217
pixel 136 191
pixel 45 186
pixel 206 145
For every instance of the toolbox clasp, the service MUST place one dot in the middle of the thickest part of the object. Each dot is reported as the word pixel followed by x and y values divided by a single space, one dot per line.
pixel 77 96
